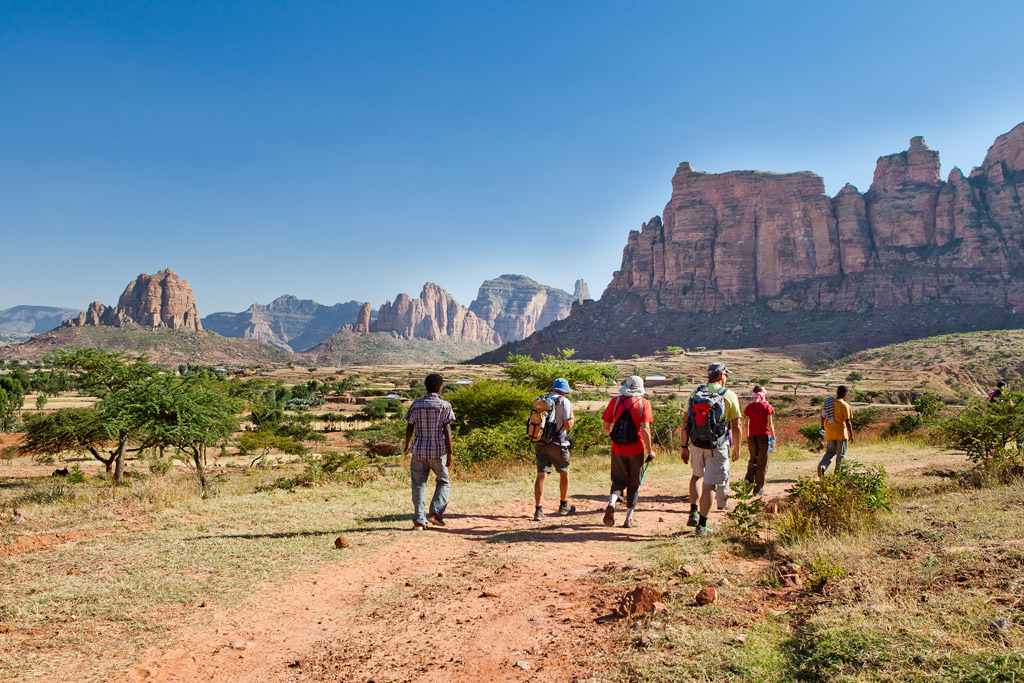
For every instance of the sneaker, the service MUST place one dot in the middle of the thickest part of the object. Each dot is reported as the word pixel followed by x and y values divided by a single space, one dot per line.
pixel 757 492
pixel 693 519
pixel 821 471
pixel 565 509
pixel 416 526
pixel 609 516
pixel 538 515
pixel 630 524
pixel 435 519
pixel 704 531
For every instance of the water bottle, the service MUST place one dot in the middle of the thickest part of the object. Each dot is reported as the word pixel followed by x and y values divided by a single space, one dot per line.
pixel 771 444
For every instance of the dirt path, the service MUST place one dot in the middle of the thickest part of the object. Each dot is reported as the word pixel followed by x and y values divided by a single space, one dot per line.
pixel 491 589
pixel 494 595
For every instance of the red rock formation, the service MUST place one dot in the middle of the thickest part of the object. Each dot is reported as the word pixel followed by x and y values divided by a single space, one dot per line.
pixel 362 324
pixel 744 236
pixel 517 306
pixel 433 315
pixel 160 300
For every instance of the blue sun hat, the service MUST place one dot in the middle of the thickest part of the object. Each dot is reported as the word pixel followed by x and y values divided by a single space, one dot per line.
pixel 561 384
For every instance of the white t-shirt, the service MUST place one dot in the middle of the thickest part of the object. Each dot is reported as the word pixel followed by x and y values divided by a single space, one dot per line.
pixel 563 413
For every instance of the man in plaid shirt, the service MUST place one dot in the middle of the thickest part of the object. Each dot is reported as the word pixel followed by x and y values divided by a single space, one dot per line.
pixel 430 420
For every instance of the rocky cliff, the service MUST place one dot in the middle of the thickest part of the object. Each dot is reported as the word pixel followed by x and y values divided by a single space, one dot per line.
pixel 733 251
pixel 162 300
pixel 435 314
pixel 516 306
pixel 581 292
pixel 287 322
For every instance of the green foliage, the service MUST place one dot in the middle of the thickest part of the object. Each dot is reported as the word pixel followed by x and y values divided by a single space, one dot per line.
pixel 488 402
pixel 748 511
pixel 41 401
pixel 865 417
pixel 303 404
pixel 838 503
pixel 926 407
pixel 68 430
pixel 823 568
pixel 379 408
pixel 260 443
pixel 812 432
pixel 985 429
pixel 541 373
pixel 587 434
pixel 76 475
pixel 504 441
pixel 666 428
pixel 331 465
pixel 763 381
pixel 855 376
pixel 12 398
pixel 840 654
pixel 672 350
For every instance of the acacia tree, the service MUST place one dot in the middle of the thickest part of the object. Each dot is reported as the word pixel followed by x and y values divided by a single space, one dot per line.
pixel 12 398
pixel 187 413
pixel 69 429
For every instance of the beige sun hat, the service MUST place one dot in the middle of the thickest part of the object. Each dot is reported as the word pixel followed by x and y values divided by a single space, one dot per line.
pixel 634 386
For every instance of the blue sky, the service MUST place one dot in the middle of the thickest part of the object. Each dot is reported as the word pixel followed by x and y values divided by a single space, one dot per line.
pixel 353 150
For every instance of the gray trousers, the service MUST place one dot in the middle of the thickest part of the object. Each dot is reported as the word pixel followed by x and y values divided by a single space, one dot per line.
pixel 837 448
pixel 420 470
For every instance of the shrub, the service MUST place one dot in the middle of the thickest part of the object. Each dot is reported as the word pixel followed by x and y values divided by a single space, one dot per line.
pixel 763 381
pixel 855 376
pixel 747 513
pixel 666 428
pixel 984 429
pixel 823 568
pixel 865 417
pixel 812 432
pixel 587 434
pixel 838 503
pixel 500 442
pixel 488 403
pixel 550 367
pixel 378 408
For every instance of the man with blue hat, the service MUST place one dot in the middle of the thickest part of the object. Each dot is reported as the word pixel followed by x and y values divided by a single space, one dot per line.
pixel 555 453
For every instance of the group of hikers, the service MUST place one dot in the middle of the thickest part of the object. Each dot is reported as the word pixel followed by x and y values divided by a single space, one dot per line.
pixel 711 434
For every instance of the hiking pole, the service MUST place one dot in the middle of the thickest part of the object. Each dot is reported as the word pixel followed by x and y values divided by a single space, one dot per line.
pixel 643 472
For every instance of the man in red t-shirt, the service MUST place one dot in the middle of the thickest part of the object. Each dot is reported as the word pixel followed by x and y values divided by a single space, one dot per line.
pixel 760 429
pixel 628 458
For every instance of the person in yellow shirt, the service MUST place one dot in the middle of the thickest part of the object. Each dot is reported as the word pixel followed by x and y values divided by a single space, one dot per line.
pixel 836 420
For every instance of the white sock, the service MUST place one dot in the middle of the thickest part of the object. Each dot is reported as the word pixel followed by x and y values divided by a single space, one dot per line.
pixel 629 513
pixel 612 498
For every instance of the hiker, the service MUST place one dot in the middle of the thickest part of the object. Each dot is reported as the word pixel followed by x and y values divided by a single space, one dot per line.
pixel 711 428
pixel 998 393
pixel 430 419
pixel 760 431
pixel 837 423
pixel 627 420
pixel 555 450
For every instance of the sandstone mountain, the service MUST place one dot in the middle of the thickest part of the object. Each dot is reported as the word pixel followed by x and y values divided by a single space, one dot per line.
pixel 516 306
pixel 162 300
pixel 433 315
pixel 287 322
pixel 34 319
pixel 349 347
pixel 750 258
pixel 581 292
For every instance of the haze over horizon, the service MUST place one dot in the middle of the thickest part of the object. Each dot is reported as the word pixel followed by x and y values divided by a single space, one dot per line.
pixel 339 151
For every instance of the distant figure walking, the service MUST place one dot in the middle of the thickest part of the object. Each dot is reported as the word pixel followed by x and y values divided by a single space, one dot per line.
pixel 760 431
pixel 998 393
pixel 429 418
pixel 554 452
pixel 627 420
pixel 712 415
pixel 836 420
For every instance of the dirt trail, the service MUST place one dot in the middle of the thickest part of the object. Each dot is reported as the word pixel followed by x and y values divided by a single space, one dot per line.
pixel 479 599
pixel 491 589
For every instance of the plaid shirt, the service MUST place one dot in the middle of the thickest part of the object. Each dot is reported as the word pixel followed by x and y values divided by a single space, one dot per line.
pixel 429 415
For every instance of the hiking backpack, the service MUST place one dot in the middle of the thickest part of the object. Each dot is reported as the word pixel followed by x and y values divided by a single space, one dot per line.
pixel 542 425
pixel 624 432
pixel 705 418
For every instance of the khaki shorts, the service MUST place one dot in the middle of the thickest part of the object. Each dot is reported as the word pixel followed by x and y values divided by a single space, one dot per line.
pixel 711 463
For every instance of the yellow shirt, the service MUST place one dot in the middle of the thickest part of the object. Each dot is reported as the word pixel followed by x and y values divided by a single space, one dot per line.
pixel 835 430
pixel 731 400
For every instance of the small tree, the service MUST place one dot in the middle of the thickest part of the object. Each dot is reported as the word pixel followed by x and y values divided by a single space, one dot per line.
pixel 550 367
pixel 984 429
pixel 74 430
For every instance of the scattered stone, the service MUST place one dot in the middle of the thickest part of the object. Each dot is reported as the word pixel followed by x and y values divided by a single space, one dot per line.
pixel 297 664
pixel 706 596
pixel 741 638
pixel 488 594
pixel 999 626
pixel 877 609
pixel 292 490
pixel 919 660
pixel 237 645
pixel 203 603
pixel 340 542
pixel 522 664
pixel 660 607
pixel 686 571
pixel 724 582
pixel 661 519
pixel 771 507
pixel 639 600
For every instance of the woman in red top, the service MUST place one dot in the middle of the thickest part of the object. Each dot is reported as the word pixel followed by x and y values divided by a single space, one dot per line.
pixel 760 429
pixel 628 458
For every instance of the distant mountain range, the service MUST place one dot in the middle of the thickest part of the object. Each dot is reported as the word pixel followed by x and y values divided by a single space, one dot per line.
pixel 34 319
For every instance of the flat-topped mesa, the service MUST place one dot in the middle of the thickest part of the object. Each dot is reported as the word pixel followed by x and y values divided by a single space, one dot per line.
pixel 517 306
pixel 162 300
pixel 733 238
pixel 433 315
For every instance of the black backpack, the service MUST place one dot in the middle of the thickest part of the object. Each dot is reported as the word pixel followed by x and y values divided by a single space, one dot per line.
pixel 624 432
pixel 705 418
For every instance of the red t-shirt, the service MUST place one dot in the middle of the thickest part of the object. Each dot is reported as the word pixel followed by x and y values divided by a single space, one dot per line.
pixel 636 405
pixel 758 412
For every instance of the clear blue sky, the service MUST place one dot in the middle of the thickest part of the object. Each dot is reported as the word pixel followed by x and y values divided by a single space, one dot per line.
pixel 352 150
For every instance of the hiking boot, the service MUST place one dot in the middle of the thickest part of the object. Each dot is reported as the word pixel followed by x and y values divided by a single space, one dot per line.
pixel 630 524
pixel 538 515
pixel 609 516
pixel 416 526
pixel 704 531
pixel 565 509
pixel 693 519
pixel 435 519
pixel 821 471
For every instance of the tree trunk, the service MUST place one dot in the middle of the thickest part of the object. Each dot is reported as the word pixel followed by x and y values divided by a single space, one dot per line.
pixel 200 472
pixel 122 446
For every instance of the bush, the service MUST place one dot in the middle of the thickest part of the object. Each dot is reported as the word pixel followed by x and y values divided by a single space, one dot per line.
pixel 838 503
pixel 550 367
pixel 823 568
pixel 812 432
pixel 378 408
pixel 668 419
pixel 865 417
pixel 488 403
pixel 500 442
pixel 854 376
pixel 926 407
pixel 763 381
pixel 985 429
pixel 747 513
